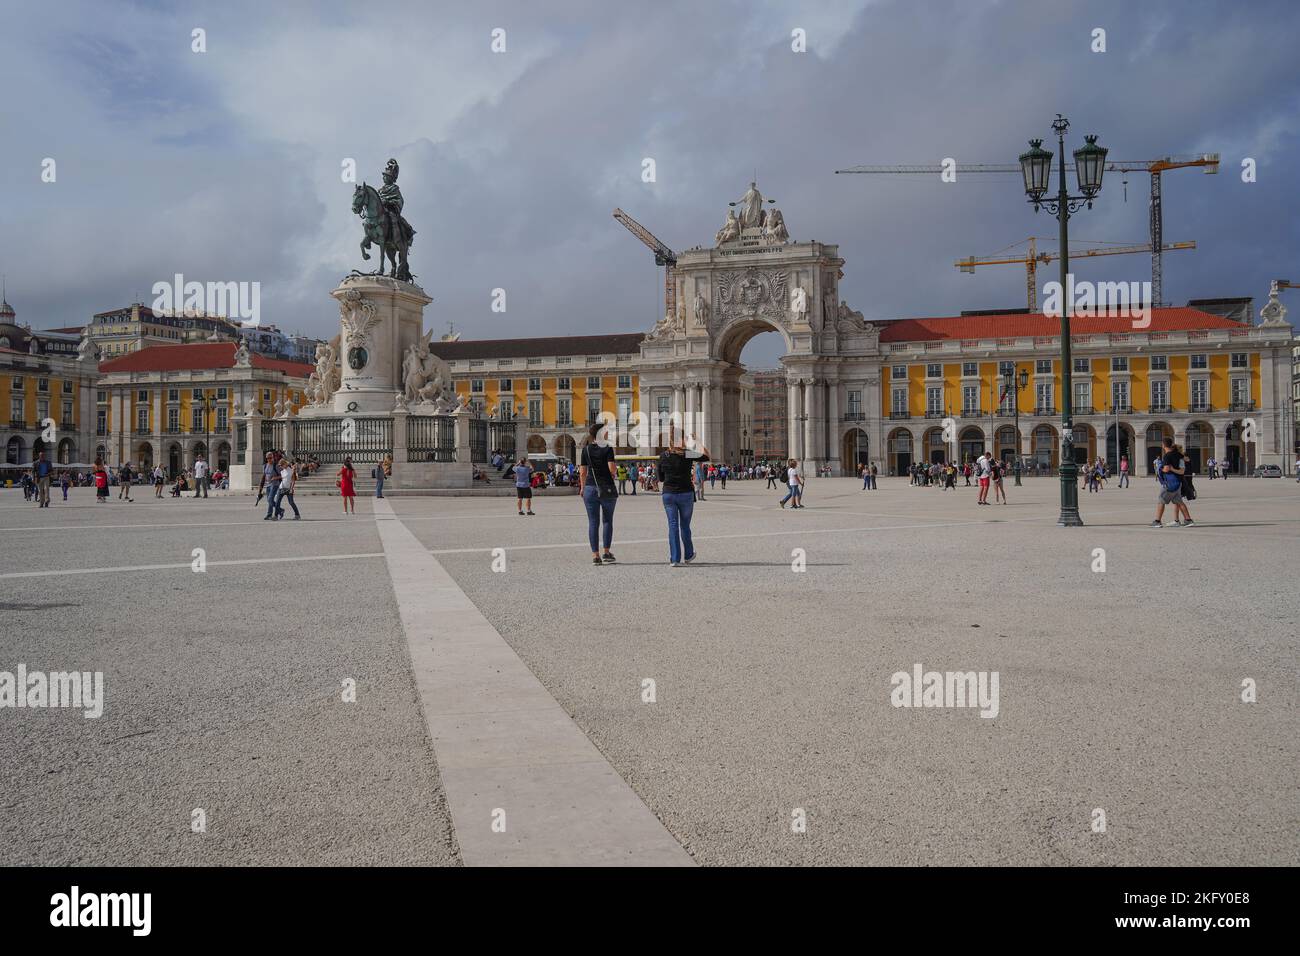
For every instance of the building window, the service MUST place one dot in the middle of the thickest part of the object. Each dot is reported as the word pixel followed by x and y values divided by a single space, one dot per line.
pixel 173 394
pixel 898 402
pixel 1082 366
pixel 625 381
pixel 1043 366
pixel 1006 368
pixel 662 404
pixel 1240 392
pixel 101 422
pixel 563 412
pixel 534 385
pixel 1119 363
pixel 1043 398
pixel 198 394
pixel 173 420
pixel 563 384
pixel 855 402
pixel 1159 396
pixel 506 385
pixel 535 412
pixel 1200 395
pixel 196 420
pixel 593 383
pixel 1240 360
pixel 42 410
pixel 593 410
pixel 222 423
pixel 476 385
pixel 933 400
pixel 934 370
pixel 1160 363
pixel 222 394
pixel 42 385
pixel 506 410
pixel 970 369
pixel 67 413
pixel 16 384
pixel 142 419
pixel 266 395
pixel 16 412
pixel 1199 361
pixel 624 410
pixel 970 399
pixel 142 395
pixel 1119 395
pixel 1082 396
pixel 898 371
pixel 67 387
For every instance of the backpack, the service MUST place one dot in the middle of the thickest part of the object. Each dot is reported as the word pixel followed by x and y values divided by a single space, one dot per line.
pixel 1172 481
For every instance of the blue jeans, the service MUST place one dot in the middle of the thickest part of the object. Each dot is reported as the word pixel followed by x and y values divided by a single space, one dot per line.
pixel 795 492
pixel 679 506
pixel 272 492
pixel 279 502
pixel 600 514
pixel 379 482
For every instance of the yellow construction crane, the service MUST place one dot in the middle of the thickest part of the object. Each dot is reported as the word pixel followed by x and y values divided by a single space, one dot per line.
pixel 1209 162
pixel 663 257
pixel 1031 259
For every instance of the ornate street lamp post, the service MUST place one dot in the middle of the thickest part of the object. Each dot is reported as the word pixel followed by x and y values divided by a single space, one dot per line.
pixel 1015 386
pixel 1036 165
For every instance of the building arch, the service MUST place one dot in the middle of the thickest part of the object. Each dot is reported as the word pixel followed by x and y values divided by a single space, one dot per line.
pixel 536 444
pixel 970 443
pixel 1120 443
pixel 1239 452
pixel 15 450
pixel 730 339
pixel 144 456
pixel 855 450
pixel 566 447
pixel 1198 445
pixel 1085 443
pixel 1005 444
pixel 222 462
pixel 1156 433
pixel 935 448
pixel 67 451
pixel 175 462
pixel 899 447
pixel 1044 448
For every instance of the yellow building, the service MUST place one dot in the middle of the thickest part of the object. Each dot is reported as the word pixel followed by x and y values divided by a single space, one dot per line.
pixel 136 326
pixel 169 403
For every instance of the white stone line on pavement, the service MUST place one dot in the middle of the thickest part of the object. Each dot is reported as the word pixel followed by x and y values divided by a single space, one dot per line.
pixel 507 752
pixel 187 565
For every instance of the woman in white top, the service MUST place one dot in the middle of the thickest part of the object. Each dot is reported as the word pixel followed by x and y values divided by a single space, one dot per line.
pixel 288 475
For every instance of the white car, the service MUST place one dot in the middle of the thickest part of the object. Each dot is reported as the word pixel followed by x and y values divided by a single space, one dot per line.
pixel 1267 471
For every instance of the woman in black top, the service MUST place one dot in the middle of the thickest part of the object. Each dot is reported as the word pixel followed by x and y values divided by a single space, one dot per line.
pixel 599 493
pixel 677 471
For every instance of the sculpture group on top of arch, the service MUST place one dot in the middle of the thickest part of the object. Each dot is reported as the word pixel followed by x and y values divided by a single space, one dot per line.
pixel 753 222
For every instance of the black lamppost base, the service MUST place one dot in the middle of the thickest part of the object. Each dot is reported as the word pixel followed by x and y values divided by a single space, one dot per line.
pixel 1070 494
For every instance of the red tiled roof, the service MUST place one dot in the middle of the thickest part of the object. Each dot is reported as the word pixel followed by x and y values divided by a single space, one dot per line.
pixel 197 355
pixel 1023 325
pixel 619 343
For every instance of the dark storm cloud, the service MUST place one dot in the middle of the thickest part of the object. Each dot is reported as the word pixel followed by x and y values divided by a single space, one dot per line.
pixel 226 165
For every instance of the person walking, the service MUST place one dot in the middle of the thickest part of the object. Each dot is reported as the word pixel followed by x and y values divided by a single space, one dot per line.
pixel 633 475
pixel 347 482
pixel 288 481
pixel 771 474
pixel 874 475
pixel 983 474
pixel 101 482
pixel 1172 467
pixel 383 471
pixel 793 481
pixel 524 485
pixel 599 494
pixel 200 476
pixel 1123 471
pixel 998 471
pixel 64 482
pixel 124 479
pixel 677 469
pixel 43 469
pixel 270 485
pixel 699 481
pixel 866 477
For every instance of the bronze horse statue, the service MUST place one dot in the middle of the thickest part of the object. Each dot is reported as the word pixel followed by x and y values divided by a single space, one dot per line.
pixel 386 230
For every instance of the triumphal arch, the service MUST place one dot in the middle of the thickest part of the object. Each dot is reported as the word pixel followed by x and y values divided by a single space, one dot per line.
pixel 755 278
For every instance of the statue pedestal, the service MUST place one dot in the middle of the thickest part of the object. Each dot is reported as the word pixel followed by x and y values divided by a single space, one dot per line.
pixel 380 317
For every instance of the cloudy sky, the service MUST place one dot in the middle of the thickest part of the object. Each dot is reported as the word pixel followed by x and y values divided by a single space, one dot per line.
pixel 226 165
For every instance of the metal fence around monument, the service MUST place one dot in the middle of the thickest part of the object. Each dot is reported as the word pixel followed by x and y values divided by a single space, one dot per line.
pixel 478 440
pixel 430 438
pixel 330 440
pixel 268 436
pixel 501 437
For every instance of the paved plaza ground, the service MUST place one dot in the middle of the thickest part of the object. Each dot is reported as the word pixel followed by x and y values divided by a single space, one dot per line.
pixel 1118 690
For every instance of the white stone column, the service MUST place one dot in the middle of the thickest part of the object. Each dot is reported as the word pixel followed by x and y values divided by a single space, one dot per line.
pixel 812 410
pixel 832 429
pixel 1221 443
pixel 794 408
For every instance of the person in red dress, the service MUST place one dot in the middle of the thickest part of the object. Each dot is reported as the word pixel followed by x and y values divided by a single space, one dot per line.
pixel 347 488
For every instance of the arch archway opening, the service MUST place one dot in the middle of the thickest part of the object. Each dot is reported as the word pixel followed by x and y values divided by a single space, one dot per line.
pixel 755 406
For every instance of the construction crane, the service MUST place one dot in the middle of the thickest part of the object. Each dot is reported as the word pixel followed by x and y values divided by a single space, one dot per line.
pixel 663 257
pixel 1031 259
pixel 1207 161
